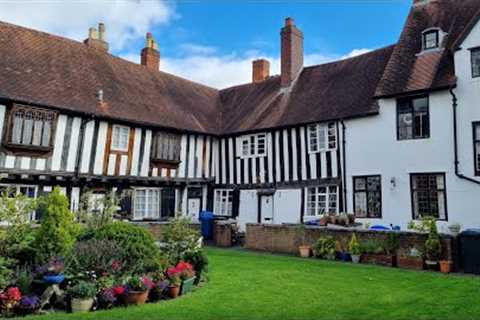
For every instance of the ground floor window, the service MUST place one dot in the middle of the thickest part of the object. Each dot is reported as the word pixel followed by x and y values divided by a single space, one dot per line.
pixel 146 203
pixel 27 190
pixel 322 200
pixel 429 195
pixel 223 202
pixel 367 196
pixel 476 147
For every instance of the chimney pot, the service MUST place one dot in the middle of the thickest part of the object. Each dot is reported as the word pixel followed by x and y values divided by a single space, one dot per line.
pixel 150 55
pixel 260 70
pixel 289 22
pixel 292 52
pixel 96 39
pixel 101 31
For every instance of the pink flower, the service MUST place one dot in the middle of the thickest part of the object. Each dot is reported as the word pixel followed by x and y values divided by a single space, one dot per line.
pixel 148 282
pixel 14 294
pixel 116 265
pixel 118 291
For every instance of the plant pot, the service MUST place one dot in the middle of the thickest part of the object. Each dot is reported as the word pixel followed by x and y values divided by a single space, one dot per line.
pixel 344 256
pixel 355 258
pixel 155 294
pixel 304 251
pixel 445 266
pixel 136 297
pixel 454 230
pixel 187 286
pixel 431 265
pixel 379 259
pixel 173 291
pixel 409 262
pixel 54 279
pixel 81 305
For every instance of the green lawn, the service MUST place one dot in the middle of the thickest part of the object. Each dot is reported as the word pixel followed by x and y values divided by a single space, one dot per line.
pixel 245 285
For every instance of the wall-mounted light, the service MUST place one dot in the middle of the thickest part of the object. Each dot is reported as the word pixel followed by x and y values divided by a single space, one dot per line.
pixel 393 182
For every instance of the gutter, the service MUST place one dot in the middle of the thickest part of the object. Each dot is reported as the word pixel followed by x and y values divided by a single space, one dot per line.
pixel 344 165
pixel 455 140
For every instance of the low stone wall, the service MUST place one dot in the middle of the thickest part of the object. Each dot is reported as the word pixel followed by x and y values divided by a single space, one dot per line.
pixel 286 239
pixel 156 228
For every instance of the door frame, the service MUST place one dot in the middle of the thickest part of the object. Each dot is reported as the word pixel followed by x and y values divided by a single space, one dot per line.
pixel 260 194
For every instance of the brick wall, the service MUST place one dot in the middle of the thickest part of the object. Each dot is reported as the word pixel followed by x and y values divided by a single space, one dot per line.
pixel 286 238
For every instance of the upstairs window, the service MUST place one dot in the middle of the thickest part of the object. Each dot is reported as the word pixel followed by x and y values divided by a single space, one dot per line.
pixel 120 138
pixel 31 127
pixel 413 118
pixel 322 137
pixel 166 147
pixel 254 145
pixel 475 58
pixel 431 39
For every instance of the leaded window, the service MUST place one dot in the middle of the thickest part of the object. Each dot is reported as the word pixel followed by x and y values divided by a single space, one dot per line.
pixel 431 39
pixel 254 145
pixel 413 118
pixel 367 196
pixel 475 58
pixel 429 195
pixel 476 147
pixel 120 136
pixel 322 137
pixel 166 147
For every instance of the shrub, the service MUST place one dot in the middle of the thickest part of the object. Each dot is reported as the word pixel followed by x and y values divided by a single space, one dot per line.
pixel 198 259
pixel 392 244
pixel 433 246
pixel 325 247
pixel 57 233
pixel 5 272
pixel 141 252
pixel 23 280
pixel 179 239
pixel 101 256
pixel 354 246
pixel 372 246
pixel 82 290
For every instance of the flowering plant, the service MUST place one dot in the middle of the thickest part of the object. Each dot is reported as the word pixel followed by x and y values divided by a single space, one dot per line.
pixel 136 283
pixel 107 297
pixel 182 271
pixel 118 290
pixel 29 302
pixel 10 298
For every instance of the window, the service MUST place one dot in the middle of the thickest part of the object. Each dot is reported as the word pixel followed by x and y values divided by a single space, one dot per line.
pixel 26 190
pixel 413 118
pixel 146 204
pixel 166 146
pixel 475 58
pixel 120 138
pixel 322 200
pixel 476 147
pixel 431 39
pixel 31 127
pixel 254 145
pixel 223 202
pixel 429 195
pixel 367 196
pixel 322 137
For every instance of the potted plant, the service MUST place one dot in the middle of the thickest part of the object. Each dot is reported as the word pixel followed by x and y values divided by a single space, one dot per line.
pixel 175 282
pixel 187 275
pixel 454 229
pixel 341 251
pixel 82 296
pixel 9 300
pixel 446 266
pixel 136 289
pixel 354 249
pixel 28 305
pixel 106 298
pixel 432 247
pixel 412 259
pixel 303 249
pixel 325 248
pixel 52 271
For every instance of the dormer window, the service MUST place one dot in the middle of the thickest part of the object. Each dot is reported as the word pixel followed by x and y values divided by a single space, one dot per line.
pixel 431 39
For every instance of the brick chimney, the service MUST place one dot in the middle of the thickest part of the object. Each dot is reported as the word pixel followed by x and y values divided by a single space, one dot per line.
pixel 260 70
pixel 292 52
pixel 150 56
pixel 97 39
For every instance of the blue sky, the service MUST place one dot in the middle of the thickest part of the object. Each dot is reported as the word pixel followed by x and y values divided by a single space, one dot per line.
pixel 213 41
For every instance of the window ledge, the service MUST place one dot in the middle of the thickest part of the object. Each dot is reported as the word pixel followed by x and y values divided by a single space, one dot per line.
pixel 27 149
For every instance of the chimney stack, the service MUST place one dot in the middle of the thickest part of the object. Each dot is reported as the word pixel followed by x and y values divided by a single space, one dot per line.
pixel 260 70
pixel 419 3
pixel 150 56
pixel 292 52
pixel 96 39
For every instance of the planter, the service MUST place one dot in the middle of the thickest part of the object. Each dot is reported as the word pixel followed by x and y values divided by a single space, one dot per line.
pixel 173 291
pixel 379 259
pixel 445 266
pixel 304 251
pixel 454 229
pixel 344 256
pixel 54 279
pixel 431 265
pixel 355 258
pixel 81 305
pixel 155 294
pixel 187 286
pixel 136 297
pixel 406 262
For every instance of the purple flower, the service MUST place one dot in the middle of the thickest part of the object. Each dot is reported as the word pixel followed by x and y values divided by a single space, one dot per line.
pixel 29 302
pixel 107 296
pixel 163 284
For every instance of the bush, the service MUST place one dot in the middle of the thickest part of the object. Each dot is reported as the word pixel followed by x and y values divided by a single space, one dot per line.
pixel 372 246
pixel 141 252
pixel 57 233
pixel 179 239
pixel 433 246
pixel 82 290
pixel 198 259
pixel 325 248
pixel 393 243
pixel 5 272
pixel 101 256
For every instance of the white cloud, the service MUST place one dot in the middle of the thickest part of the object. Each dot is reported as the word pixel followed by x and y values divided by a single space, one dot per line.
pixel 124 20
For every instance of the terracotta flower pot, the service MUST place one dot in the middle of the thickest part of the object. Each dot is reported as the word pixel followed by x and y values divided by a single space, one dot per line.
pixel 136 297
pixel 173 291
pixel 445 266
pixel 81 305
pixel 304 251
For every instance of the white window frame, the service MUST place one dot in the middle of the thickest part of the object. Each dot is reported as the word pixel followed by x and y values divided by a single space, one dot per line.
pixel 152 208
pixel 16 188
pixel 249 146
pixel 322 137
pixel 223 202
pixel 117 143
pixel 313 207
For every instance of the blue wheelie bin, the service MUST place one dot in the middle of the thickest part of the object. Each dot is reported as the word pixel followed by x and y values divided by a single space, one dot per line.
pixel 206 220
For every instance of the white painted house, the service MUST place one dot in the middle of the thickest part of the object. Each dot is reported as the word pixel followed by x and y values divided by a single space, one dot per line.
pixel 390 135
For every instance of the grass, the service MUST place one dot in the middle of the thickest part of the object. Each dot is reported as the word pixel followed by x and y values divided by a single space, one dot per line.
pixel 246 285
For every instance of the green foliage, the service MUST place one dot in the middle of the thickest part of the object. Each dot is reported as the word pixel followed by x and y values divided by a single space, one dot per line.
pixel 82 290
pixel 433 246
pixel 372 246
pixel 5 272
pixel 392 244
pixel 179 238
pixel 136 283
pixel 199 260
pixel 97 213
pixel 324 247
pixel 58 231
pixel 23 280
pixel 354 246
pixel 424 225
pixel 141 252
pixel 96 255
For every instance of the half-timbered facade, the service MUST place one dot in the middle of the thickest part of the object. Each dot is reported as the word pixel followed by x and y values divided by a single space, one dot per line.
pixel 387 135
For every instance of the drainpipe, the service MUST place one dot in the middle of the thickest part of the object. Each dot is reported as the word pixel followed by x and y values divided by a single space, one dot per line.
pixel 344 165
pixel 455 142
